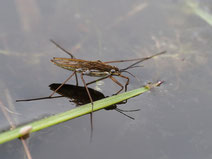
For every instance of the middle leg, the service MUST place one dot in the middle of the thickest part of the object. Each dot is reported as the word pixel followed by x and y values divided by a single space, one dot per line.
pixel 63 83
pixel 91 114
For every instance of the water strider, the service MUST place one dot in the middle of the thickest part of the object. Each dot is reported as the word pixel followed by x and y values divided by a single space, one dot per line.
pixel 94 69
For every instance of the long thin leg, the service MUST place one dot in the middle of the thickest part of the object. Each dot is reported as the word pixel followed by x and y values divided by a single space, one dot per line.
pixel 113 80
pixel 91 114
pixel 41 98
pixel 97 80
pixel 72 56
pixel 117 82
pixel 76 78
pixel 89 95
pixel 126 82
pixel 63 83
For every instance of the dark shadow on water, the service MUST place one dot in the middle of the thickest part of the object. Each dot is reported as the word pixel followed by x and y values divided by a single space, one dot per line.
pixel 79 96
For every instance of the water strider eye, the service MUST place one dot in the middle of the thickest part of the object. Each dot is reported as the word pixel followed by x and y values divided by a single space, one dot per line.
pixel 78 70
pixel 86 72
pixel 112 71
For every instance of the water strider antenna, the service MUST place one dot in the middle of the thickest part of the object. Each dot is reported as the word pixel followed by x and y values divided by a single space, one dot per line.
pixel 141 60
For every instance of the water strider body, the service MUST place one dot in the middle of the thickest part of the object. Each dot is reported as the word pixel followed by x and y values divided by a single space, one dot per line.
pixel 96 68
pixel 89 68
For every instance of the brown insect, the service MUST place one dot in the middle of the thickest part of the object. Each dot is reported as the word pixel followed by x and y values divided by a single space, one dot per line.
pixel 94 69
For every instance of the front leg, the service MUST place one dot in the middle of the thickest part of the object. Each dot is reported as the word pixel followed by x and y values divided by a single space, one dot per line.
pixel 94 81
pixel 117 82
pixel 126 82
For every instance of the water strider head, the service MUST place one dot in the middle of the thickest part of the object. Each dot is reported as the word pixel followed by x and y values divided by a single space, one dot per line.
pixel 115 71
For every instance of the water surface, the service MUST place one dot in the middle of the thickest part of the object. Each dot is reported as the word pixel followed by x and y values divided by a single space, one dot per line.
pixel 175 119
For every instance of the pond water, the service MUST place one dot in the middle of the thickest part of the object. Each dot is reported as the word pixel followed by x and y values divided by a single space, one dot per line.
pixel 175 118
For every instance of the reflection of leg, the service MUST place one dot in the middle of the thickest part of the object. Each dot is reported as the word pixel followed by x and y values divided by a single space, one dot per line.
pixel 91 114
pixel 41 98
pixel 62 84
pixel 125 114
pixel 122 112
pixel 117 82
pixel 132 110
